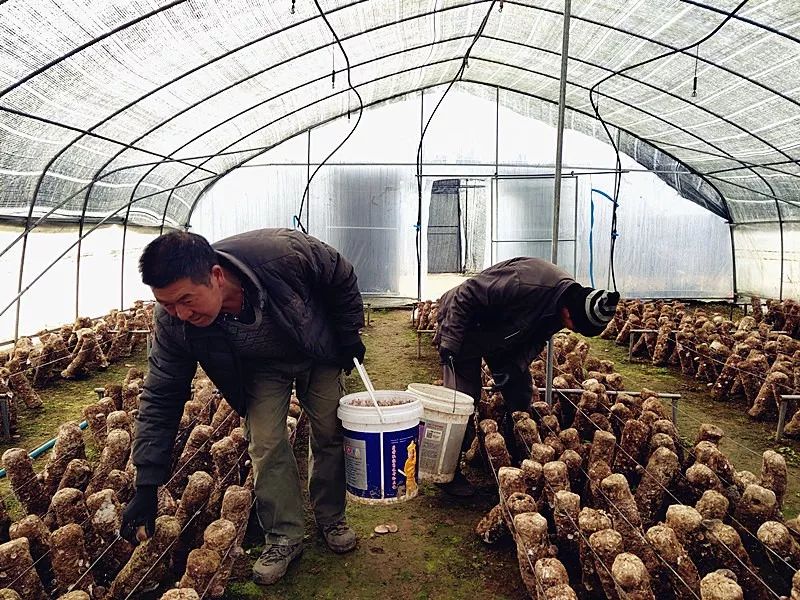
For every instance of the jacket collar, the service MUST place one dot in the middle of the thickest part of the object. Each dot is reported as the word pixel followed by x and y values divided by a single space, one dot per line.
pixel 247 272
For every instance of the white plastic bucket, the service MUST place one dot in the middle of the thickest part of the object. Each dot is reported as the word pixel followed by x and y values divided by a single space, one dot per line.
pixel 442 428
pixel 381 463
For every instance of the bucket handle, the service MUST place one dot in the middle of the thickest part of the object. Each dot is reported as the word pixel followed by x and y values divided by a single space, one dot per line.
pixel 455 383
pixel 368 384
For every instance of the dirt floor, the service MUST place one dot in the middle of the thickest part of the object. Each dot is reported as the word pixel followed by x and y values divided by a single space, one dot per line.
pixel 435 553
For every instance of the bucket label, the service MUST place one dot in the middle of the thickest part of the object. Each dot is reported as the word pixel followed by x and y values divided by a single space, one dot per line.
pixel 355 463
pixel 395 477
pixel 440 446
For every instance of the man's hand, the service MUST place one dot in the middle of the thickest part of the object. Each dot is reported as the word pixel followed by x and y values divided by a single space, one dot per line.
pixel 446 356
pixel 500 380
pixel 140 511
pixel 348 353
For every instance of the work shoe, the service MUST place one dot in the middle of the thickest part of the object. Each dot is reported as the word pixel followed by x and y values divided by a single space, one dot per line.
pixel 274 561
pixel 339 537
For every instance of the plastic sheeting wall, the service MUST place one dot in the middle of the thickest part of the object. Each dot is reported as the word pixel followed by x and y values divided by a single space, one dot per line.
pixel 51 301
pixel 667 246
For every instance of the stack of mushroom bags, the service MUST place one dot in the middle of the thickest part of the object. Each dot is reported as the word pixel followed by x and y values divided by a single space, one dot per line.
pixel 74 351
pixel 65 541
pixel 604 499
pixel 756 360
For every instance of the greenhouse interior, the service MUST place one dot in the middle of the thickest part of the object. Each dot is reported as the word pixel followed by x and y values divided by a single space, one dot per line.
pixel 238 236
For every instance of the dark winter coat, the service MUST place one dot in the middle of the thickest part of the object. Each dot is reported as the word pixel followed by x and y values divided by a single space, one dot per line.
pixel 308 289
pixel 507 311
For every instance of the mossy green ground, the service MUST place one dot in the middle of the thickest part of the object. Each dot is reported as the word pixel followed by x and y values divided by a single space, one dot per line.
pixel 64 401
pixel 435 553
pixel 745 440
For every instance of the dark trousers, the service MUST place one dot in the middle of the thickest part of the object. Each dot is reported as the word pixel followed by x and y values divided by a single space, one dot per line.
pixel 465 376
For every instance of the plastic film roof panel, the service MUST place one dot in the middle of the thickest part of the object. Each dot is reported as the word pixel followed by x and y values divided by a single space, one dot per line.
pixel 211 83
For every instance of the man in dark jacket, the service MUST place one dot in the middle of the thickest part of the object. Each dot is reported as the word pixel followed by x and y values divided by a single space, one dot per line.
pixel 505 315
pixel 261 312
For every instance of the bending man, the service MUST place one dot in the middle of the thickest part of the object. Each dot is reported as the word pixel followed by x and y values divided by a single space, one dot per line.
pixel 260 312
pixel 505 315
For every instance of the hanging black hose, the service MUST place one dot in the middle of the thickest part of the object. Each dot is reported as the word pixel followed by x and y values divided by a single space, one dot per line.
pixel 615 145
pixel 459 73
pixel 299 216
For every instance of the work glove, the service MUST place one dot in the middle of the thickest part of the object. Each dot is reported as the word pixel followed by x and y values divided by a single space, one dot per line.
pixel 348 353
pixel 446 356
pixel 141 510
pixel 500 380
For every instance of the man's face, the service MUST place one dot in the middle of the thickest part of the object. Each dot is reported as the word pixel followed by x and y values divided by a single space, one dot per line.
pixel 195 303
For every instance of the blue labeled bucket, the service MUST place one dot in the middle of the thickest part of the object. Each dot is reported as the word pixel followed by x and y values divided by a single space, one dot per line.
pixel 380 457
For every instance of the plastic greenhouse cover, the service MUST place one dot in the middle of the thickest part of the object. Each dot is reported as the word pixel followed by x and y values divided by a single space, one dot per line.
pixel 146 96
pixel 128 111
pixel 668 246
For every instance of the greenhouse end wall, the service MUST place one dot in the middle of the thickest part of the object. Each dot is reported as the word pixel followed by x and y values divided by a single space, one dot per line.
pixel 366 198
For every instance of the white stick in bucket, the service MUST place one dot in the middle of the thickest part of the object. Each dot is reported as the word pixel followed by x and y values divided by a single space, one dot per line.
pixel 368 384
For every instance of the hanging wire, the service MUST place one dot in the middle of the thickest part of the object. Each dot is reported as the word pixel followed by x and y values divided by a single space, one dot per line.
pixel 615 145
pixel 299 216
pixel 694 80
pixel 183 529
pixel 458 75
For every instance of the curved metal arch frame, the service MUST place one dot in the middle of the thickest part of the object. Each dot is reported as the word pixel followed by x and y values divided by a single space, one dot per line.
pixel 748 21
pixel 420 15
pixel 475 57
pixel 758 84
pixel 656 88
pixel 516 3
pixel 261 151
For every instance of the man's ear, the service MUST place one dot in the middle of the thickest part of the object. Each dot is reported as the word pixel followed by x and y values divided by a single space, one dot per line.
pixel 217 275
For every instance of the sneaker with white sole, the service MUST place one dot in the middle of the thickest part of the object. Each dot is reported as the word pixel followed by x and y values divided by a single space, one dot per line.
pixel 339 537
pixel 274 561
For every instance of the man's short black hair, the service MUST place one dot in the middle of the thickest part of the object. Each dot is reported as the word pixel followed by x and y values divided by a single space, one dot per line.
pixel 176 255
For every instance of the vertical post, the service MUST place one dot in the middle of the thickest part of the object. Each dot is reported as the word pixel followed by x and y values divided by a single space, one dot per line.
pixel 308 179
pixel 562 97
pixel 575 233
pixel 781 418
pixel 419 194
pixel 494 188
pixel 4 411
pixel 674 402
pixel 733 261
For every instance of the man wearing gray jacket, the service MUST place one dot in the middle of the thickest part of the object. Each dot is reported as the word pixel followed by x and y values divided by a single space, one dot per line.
pixel 505 315
pixel 261 312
